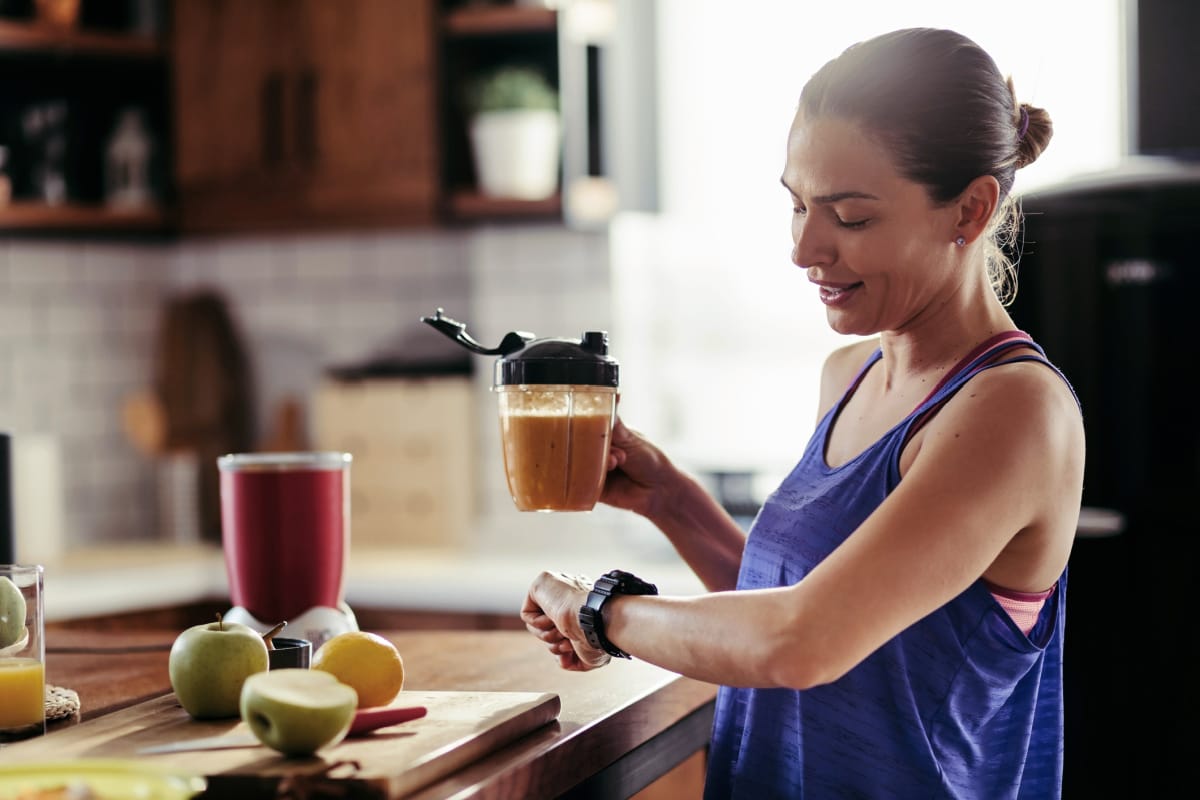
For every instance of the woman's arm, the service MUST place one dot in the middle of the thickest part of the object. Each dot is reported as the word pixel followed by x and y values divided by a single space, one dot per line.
pixel 1003 458
pixel 643 480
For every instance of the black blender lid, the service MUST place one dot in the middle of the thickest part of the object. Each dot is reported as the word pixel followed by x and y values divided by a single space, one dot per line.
pixel 526 360
pixel 578 361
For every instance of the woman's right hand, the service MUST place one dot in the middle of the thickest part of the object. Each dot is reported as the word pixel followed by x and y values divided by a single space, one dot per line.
pixel 639 473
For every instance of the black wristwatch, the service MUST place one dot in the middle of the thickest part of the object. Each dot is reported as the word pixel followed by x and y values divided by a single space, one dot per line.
pixel 608 585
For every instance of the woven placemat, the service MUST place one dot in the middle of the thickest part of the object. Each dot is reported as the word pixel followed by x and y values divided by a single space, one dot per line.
pixel 60 702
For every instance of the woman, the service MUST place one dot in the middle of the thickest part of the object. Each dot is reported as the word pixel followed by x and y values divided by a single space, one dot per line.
pixel 893 624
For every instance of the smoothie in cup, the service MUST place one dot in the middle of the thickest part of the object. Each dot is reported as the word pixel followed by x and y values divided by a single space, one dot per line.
pixel 555 440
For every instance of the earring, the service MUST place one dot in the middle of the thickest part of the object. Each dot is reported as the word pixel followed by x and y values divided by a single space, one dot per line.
pixel 960 241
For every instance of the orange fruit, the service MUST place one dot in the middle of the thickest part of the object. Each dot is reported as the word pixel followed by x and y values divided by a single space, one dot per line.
pixel 367 662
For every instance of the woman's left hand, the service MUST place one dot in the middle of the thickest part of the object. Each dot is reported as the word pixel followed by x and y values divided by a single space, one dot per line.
pixel 551 613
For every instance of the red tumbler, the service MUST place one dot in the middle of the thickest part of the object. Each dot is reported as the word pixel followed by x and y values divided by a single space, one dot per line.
pixel 285 527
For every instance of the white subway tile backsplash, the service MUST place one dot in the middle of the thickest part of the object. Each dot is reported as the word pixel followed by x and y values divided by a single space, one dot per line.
pixel 325 259
pixel 18 318
pixel 122 265
pixel 75 420
pixel 134 322
pixel 190 264
pixel 79 321
pixel 70 317
pixel 44 265
pixel 248 262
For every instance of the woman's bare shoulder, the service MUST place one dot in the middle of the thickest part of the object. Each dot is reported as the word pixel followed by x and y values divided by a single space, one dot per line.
pixel 840 367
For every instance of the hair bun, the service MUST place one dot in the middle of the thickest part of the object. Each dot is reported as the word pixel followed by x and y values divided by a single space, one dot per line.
pixel 1038 130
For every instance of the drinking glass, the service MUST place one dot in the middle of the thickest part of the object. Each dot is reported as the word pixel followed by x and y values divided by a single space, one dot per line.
pixel 22 653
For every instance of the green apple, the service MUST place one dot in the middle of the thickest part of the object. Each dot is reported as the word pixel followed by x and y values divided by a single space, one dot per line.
pixel 209 663
pixel 12 612
pixel 298 711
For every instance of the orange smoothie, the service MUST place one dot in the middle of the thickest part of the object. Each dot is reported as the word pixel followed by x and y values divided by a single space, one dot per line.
pixel 22 693
pixel 555 462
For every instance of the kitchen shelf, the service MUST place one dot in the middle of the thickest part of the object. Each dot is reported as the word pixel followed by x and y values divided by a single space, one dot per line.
pixel 31 217
pixel 474 40
pixel 89 74
pixel 473 206
pixel 489 20
pixel 26 37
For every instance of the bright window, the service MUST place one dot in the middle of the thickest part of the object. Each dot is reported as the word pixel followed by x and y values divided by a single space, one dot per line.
pixel 724 337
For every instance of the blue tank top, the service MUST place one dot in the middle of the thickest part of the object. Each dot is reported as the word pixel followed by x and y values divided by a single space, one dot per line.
pixel 961 704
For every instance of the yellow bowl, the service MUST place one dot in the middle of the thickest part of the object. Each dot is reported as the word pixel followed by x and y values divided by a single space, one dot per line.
pixel 107 778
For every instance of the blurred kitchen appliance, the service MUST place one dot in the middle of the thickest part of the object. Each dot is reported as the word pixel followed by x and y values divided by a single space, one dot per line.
pixel 412 435
pixel 1109 285
pixel 38 499
pixel 1161 102
pixel 31 499
pixel 285 521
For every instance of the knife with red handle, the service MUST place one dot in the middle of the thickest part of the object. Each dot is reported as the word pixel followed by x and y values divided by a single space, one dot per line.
pixel 371 719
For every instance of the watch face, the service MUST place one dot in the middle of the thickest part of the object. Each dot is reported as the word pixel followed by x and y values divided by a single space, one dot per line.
pixel 607 583
pixel 628 583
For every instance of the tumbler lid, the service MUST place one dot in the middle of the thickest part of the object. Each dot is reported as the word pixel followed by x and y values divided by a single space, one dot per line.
pixel 528 360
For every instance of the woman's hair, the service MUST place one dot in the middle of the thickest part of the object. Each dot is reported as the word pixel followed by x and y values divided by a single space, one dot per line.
pixel 936 101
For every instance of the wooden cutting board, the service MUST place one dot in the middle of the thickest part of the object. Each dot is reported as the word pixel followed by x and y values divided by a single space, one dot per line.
pixel 460 728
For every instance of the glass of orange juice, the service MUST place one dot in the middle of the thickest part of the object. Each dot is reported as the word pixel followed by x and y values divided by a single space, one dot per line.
pixel 22 653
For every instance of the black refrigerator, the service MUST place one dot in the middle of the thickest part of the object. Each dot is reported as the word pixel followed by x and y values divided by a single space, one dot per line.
pixel 1109 284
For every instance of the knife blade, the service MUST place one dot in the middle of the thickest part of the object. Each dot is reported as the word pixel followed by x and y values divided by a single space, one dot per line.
pixel 207 743
pixel 365 721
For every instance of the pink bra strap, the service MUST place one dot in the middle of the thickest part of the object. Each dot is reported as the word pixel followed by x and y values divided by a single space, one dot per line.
pixel 977 357
pixel 989 344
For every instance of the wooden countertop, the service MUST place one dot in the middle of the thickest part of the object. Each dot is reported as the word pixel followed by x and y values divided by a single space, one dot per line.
pixel 619 728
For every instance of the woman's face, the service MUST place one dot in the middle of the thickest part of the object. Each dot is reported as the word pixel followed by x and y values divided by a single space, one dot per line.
pixel 877 248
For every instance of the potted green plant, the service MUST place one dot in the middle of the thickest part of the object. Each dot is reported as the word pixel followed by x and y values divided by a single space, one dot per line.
pixel 515 132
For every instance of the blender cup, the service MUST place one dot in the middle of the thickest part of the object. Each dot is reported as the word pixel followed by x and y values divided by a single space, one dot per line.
pixel 557 401
pixel 285 531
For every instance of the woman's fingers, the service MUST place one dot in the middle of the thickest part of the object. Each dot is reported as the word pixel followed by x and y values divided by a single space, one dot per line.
pixel 539 621
pixel 557 595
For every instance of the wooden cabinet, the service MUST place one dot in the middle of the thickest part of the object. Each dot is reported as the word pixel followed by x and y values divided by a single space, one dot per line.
pixel 310 113
pixel 223 71
pixel 273 114
pixel 305 113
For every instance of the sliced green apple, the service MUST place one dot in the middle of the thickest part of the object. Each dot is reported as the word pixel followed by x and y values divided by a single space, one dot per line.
pixel 298 711
pixel 12 612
